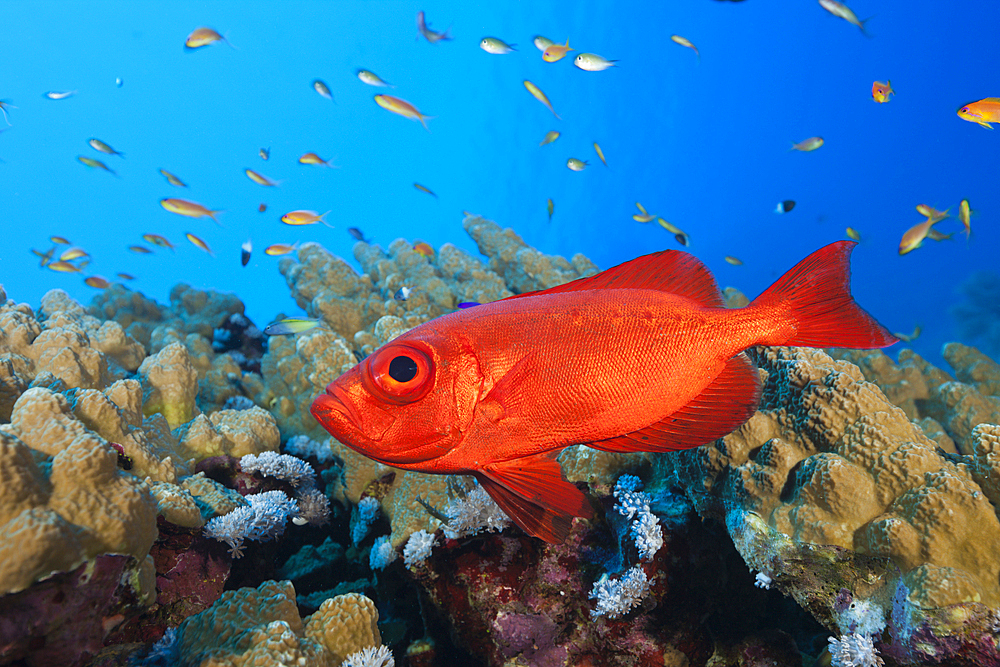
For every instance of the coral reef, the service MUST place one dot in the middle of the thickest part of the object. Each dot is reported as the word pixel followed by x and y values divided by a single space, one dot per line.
pixel 978 317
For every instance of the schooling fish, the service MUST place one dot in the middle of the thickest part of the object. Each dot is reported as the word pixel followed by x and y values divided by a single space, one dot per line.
pixel 59 94
pixel 431 36
pixel 173 180
pixel 95 164
pixel 373 79
pixel 199 243
pixel 200 37
pixel 541 43
pixel 312 158
pixel 358 234
pixel 245 251
pixel 591 62
pixel 549 137
pixel 684 41
pixel 641 357
pixel 882 91
pixel 496 46
pixel 260 179
pixel 323 89
pixel 99 145
pixel 304 218
pixel 402 108
pixel 806 145
pixel 537 93
pixel 841 10
pixel 188 209
pixel 556 52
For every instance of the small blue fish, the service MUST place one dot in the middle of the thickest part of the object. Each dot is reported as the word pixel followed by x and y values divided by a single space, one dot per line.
pixel 469 304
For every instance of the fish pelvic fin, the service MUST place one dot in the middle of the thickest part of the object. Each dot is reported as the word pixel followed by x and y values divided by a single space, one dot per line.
pixel 673 271
pixel 722 407
pixel 816 295
pixel 534 494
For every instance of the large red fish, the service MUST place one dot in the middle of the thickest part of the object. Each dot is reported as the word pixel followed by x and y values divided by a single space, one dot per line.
pixel 641 357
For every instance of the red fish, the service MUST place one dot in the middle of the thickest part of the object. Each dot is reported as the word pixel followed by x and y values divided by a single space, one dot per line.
pixel 641 357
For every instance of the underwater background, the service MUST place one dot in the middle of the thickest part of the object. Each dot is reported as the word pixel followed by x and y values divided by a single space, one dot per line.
pixel 702 141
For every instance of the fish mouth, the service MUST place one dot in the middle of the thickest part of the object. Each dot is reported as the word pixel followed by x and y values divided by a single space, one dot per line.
pixel 336 400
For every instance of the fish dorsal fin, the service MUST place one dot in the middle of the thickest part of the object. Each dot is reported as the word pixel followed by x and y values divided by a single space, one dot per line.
pixel 722 407
pixel 532 491
pixel 670 271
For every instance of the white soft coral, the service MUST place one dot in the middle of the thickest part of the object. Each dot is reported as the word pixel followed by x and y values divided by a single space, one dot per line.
pixel 855 650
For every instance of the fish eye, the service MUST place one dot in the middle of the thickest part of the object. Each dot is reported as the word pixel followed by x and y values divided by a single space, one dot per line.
pixel 400 373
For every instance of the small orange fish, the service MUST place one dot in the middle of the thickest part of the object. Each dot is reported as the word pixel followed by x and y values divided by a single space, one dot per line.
pixel 914 237
pixel 200 37
pixel 62 240
pixel 199 243
pixel 187 208
pixel 97 282
pixel 806 145
pixel 304 218
pixel 125 276
pixel 280 249
pixel 260 179
pixel 262 207
pixel 932 213
pixel 882 91
pixel 983 112
pixel 498 390
pixel 64 267
pixel 73 253
pixel 425 249
pixel 312 158
pixel 402 108
pixel 556 52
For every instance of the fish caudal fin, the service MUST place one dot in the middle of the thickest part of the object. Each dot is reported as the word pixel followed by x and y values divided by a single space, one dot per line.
pixel 817 292
pixel 719 409
pixel 534 494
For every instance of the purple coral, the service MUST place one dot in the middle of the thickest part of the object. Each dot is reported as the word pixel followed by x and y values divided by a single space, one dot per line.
pixel 532 636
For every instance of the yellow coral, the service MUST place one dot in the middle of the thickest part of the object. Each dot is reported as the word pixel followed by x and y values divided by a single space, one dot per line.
pixel 344 625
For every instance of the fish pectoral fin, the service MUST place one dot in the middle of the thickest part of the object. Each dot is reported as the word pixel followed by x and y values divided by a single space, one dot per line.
pixel 719 409
pixel 672 271
pixel 534 494
pixel 507 394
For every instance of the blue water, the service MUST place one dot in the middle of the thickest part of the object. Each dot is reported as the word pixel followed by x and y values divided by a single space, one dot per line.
pixel 702 143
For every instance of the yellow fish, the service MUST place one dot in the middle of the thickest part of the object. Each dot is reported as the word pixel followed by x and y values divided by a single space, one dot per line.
pixel 291 326
pixel 140 249
pixel 932 213
pixel 552 208
pixel 200 37
pixel 806 145
pixel 125 276
pixel 99 145
pixel 882 91
pixel 312 158
pixel 64 267
pixel 600 154
pixel 852 233
pixel 424 188
pixel 173 180
pixel 965 217
pixel 402 108
pixel 304 218
pixel 983 112
pixel 550 136
pixel 733 260
pixel 260 179
pixel 73 253
pixel 576 165
pixel 59 240
pixel 540 96
pixel 280 249
pixel 555 52
pixel 914 237
pixel 644 217
pixel 95 164
pixel 841 10
pixel 683 41
pixel 199 243
pixel 673 229
pixel 187 208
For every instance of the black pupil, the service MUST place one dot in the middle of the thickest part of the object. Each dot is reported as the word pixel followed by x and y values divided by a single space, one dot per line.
pixel 402 369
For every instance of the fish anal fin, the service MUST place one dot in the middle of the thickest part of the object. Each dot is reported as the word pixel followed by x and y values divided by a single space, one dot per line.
pixel 672 271
pixel 721 408
pixel 534 494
